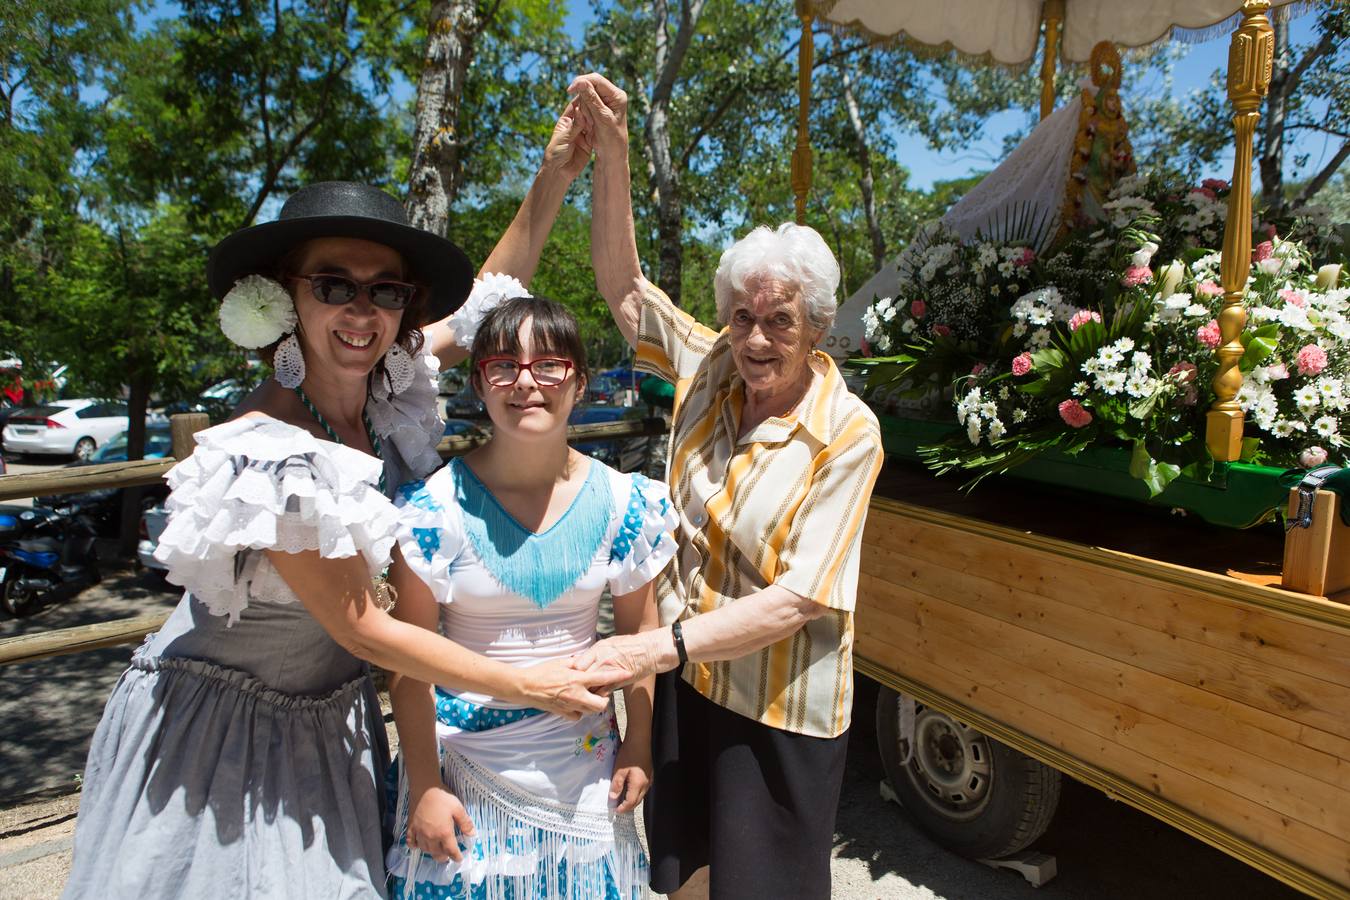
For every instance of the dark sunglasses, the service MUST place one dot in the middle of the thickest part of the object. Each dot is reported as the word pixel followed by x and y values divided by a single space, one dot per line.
pixel 336 290
pixel 503 371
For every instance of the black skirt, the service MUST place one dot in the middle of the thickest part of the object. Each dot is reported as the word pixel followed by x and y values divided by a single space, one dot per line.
pixel 755 803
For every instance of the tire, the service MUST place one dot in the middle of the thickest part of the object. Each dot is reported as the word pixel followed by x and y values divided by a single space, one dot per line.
pixel 968 792
pixel 84 448
pixel 15 602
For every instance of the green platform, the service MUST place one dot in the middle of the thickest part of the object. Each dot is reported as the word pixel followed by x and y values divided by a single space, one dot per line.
pixel 1238 496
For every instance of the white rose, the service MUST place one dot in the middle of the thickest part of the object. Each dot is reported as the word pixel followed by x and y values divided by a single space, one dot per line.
pixel 1327 276
pixel 1169 278
pixel 1144 255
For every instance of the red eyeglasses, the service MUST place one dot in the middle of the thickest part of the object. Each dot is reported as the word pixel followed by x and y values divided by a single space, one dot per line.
pixel 502 371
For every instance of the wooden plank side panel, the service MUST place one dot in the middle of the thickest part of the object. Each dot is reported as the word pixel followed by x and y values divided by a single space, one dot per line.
pixel 1322 709
pixel 982 681
pixel 986 650
pixel 1312 648
pixel 1263 734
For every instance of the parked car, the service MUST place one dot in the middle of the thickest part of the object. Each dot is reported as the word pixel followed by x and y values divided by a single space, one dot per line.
pixel 603 389
pixel 464 428
pixel 217 401
pixel 104 506
pixel 153 520
pixel 626 455
pixel 65 427
pixel 465 404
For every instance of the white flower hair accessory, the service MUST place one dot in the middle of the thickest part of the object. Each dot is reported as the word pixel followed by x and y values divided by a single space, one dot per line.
pixel 256 312
pixel 489 291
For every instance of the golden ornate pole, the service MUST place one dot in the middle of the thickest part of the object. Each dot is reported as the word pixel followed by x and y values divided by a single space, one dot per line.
pixel 1250 56
pixel 801 157
pixel 1053 14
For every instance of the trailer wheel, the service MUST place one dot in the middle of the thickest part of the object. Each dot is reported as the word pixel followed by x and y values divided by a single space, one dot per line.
pixel 968 792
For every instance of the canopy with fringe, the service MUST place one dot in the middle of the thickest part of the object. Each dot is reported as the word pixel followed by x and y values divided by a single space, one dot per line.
pixel 1007 31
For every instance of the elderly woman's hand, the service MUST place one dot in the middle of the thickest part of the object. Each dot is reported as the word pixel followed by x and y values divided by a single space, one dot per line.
pixel 559 687
pixel 627 657
pixel 570 147
pixel 604 108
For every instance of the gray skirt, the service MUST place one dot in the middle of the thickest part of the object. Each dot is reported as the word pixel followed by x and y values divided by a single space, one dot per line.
pixel 204 782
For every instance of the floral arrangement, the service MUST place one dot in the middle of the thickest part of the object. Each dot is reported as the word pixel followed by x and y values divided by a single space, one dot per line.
pixel 1109 337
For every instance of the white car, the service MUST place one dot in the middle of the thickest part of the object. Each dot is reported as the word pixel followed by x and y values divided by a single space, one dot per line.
pixel 153 521
pixel 66 427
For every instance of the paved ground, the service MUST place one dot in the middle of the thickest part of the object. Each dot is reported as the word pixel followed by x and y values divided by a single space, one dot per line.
pixel 1104 850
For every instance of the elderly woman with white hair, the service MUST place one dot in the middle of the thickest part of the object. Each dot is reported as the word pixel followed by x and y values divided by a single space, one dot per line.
pixel 772 464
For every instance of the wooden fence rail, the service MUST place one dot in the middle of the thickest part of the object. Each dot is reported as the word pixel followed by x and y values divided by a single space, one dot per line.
pixel 61 641
pixel 147 471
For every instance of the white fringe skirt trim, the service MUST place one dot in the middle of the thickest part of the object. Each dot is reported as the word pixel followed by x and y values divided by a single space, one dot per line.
pixel 571 845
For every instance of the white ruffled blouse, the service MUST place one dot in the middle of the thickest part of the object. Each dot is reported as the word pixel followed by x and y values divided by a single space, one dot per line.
pixel 257 483
pixel 522 597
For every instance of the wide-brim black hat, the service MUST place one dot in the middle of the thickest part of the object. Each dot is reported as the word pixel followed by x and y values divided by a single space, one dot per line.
pixel 345 209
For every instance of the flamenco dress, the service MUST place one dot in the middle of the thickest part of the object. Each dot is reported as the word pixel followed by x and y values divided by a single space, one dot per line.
pixel 535 785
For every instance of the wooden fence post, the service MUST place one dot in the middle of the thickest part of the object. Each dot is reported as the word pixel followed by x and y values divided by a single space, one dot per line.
pixel 182 426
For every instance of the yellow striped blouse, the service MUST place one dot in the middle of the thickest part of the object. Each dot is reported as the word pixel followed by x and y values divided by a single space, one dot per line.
pixel 782 505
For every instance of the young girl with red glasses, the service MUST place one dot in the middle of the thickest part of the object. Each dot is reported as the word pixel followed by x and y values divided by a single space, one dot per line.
pixel 506 551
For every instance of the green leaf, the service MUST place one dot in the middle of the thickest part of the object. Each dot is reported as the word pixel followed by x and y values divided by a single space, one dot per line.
pixel 1155 475
pixel 1260 344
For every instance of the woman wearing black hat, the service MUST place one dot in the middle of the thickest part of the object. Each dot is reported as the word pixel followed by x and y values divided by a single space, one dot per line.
pixel 242 753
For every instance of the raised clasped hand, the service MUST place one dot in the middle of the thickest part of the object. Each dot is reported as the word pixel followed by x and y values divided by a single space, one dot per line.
pixel 603 107
pixel 570 147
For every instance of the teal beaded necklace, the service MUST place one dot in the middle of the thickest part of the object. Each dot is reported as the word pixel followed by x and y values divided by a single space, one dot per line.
pixel 365 420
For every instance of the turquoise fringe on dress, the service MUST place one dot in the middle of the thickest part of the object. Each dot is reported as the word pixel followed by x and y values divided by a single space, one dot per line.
pixel 541 566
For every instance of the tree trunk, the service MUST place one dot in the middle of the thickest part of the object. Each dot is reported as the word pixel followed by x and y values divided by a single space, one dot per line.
pixel 1277 101
pixel 138 400
pixel 669 209
pixel 667 60
pixel 435 177
pixel 865 167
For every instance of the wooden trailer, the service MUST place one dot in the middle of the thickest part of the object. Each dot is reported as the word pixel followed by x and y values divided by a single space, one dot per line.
pixel 1021 630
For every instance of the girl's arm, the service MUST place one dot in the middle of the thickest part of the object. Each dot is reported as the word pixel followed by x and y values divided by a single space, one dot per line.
pixel 340 596
pixel 517 253
pixel 633 767
pixel 434 813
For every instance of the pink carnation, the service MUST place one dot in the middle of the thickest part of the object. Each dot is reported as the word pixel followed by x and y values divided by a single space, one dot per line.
pixel 1312 359
pixel 1137 275
pixel 1208 288
pixel 918 308
pixel 1184 374
pixel 1025 258
pixel 1215 184
pixel 1205 191
pixel 1073 414
pixel 1021 364
pixel 1209 335
pixel 1277 372
pixel 1083 316
pixel 1294 298
pixel 942 330
pixel 1264 250
pixel 1312 457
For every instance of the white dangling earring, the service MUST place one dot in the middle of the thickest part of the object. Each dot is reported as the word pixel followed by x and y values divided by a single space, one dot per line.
pixel 398 368
pixel 288 363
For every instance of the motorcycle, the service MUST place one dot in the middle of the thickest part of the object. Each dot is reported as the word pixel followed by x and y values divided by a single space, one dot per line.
pixel 43 550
